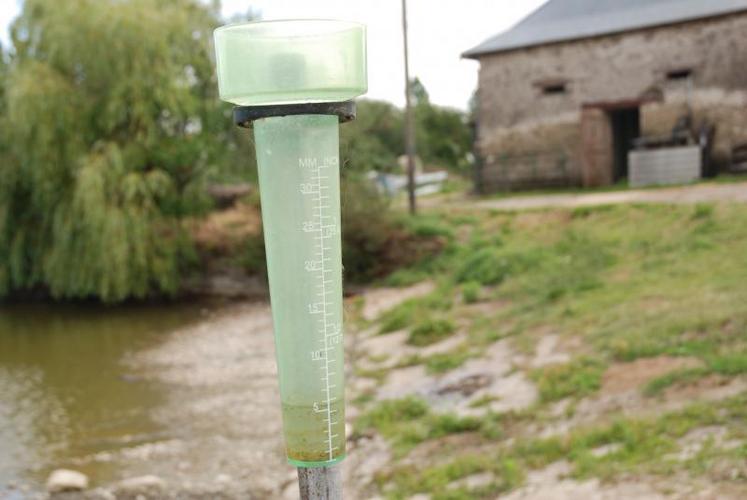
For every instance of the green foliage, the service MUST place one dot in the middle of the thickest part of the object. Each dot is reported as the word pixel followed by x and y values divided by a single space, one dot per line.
pixel 659 384
pixel 442 134
pixel 430 331
pixel 405 314
pixel 115 122
pixel 428 226
pixel 374 242
pixel 393 412
pixel 435 479
pixel 730 364
pixel 447 361
pixel 491 265
pixel 398 317
pixel 578 378
pixel 375 139
pixel 640 444
pixel 408 422
pixel 471 292
pixel 253 258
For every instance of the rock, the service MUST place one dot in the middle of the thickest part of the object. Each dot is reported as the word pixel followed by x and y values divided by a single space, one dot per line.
pixel 473 481
pixel 100 494
pixel 141 486
pixel 63 480
pixel 604 450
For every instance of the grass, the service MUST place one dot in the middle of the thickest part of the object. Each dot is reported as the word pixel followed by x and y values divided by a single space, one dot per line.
pixel 726 365
pixel 408 481
pixel 407 422
pixel 430 331
pixel 444 362
pixel 578 379
pixel 471 292
pixel 640 446
pixel 657 385
pixel 483 401
pixel 620 186
pixel 420 308
pixel 631 280
pixel 624 282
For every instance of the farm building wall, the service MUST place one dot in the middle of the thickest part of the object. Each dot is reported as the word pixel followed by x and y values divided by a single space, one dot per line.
pixel 529 137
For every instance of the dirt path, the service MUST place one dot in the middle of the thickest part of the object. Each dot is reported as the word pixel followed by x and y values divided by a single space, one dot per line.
pixel 699 193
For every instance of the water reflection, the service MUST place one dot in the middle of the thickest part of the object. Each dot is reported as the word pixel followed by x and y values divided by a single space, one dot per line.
pixel 64 392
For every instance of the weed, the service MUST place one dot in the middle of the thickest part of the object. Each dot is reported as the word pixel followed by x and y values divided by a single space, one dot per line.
pixel 659 384
pixel 471 292
pixel 390 413
pixel 410 360
pixel 729 364
pixel 364 398
pixel 578 378
pixel 407 312
pixel 405 277
pixel 428 226
pixel 379 374
pixel 491 266
pixel 444 362
pixel 702 211
pixel 398 317
pixel 483 401
pixel 408 480
pixel 408 422
pixel 430 331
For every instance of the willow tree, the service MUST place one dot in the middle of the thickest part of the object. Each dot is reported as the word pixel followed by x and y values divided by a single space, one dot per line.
pixel 111 122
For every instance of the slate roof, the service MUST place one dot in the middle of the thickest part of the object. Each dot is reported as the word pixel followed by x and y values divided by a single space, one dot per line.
pixel 563 20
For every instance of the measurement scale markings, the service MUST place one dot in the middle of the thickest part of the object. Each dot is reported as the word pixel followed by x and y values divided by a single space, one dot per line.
pixel 324 231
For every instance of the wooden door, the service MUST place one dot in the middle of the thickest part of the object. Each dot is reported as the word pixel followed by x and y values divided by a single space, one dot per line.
pixel 597 158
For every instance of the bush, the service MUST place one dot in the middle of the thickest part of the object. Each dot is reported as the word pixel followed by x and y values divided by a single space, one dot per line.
pixel 471 292
pixel 374 244
pixel 428 227
pixel 491 266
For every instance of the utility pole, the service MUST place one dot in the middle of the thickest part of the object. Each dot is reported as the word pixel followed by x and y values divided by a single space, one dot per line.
pixel 409 120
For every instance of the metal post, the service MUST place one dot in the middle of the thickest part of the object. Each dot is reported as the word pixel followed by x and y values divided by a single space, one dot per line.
pixel 409 123
pixel 320 483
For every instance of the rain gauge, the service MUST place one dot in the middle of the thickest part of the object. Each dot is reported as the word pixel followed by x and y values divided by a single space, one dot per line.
pixel 293 82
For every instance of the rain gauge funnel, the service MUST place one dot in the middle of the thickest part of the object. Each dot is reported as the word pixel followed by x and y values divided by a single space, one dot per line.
pixel 293 81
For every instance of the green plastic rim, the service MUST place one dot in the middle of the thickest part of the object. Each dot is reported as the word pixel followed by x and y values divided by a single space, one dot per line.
pixel 327 463
pixel 291 61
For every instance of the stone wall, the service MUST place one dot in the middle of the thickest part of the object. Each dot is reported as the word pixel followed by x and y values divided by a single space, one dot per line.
pixel 517 119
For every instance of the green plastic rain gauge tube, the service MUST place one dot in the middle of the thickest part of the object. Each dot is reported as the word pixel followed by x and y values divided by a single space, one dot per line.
pixel 293 82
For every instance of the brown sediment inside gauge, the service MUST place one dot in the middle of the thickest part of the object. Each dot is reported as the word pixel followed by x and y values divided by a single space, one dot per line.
pixel 306 432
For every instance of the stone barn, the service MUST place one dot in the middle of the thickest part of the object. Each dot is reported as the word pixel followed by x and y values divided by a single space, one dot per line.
pixel 563 94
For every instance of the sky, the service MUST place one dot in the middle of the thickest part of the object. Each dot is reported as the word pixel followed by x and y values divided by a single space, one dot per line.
pixel 439 31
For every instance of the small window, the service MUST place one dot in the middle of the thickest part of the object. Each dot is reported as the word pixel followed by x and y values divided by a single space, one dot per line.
pixel 554 89
pixel 679 74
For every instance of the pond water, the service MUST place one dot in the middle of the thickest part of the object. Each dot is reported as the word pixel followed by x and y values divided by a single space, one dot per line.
pixel 65 391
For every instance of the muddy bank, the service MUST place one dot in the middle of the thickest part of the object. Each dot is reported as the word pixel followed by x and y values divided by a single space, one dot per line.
pixel 222 411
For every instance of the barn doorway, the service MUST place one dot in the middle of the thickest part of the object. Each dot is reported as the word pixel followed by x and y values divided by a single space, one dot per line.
pixel 626 127
pixel 608 130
